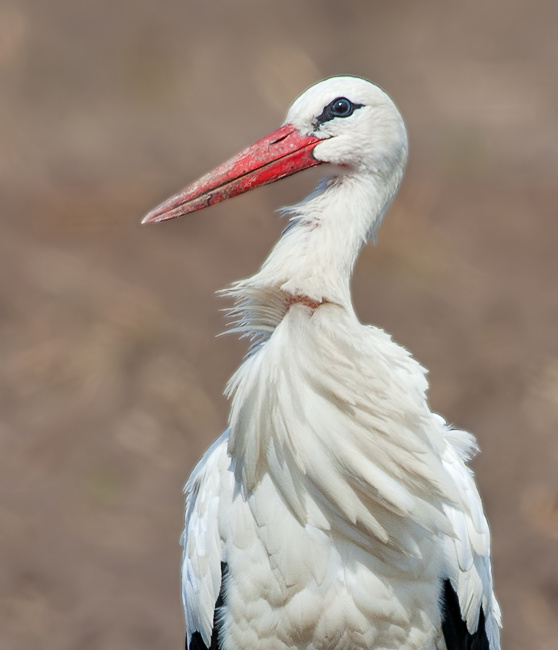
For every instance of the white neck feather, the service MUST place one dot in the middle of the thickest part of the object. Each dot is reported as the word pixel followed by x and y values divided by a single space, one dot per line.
pixel 315 257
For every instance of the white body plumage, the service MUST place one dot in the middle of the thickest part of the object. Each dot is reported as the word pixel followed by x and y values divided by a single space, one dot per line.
pixel 336 511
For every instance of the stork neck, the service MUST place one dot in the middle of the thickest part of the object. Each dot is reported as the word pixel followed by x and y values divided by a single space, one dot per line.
pixel 313 261
pixel 317 252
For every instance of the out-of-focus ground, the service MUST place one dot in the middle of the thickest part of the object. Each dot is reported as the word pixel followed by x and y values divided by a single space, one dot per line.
pixel 111 373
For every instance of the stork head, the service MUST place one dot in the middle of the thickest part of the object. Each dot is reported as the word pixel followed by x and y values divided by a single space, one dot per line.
pixel 343 121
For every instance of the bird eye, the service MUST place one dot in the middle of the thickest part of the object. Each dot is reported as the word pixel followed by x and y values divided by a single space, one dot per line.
pixel 342 107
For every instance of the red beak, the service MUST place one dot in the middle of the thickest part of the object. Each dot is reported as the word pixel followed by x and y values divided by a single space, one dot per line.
pixel 280 154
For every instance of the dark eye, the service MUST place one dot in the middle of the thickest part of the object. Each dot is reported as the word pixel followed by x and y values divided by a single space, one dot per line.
pixel 342 107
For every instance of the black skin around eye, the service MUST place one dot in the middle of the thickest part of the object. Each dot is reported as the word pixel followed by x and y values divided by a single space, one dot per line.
pixel 339 107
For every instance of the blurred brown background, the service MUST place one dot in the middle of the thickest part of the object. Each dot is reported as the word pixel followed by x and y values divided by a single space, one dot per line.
pixel 111 375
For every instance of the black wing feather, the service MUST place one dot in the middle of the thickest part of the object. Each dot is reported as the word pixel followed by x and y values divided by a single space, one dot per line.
pixel 196 642
pixel 455 631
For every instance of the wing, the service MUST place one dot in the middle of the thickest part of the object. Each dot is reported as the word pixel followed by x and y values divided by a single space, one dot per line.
pixel 209 491
pixel 471 615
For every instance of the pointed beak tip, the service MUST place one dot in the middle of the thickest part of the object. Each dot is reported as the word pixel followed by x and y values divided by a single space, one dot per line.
pixel 149 218
pixel 146 219
pixel 155 216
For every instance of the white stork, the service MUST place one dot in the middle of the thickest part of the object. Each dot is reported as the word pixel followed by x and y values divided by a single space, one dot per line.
pixel 336 511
